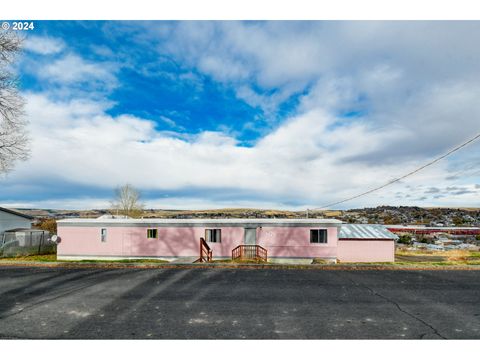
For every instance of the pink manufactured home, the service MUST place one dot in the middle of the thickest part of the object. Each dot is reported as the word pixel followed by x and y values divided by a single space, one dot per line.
pixel 171 239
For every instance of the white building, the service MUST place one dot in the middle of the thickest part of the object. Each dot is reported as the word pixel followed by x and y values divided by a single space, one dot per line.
pixel 10 219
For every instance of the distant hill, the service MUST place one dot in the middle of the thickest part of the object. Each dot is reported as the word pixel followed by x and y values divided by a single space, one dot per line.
pixel 160 213
pixel 378 215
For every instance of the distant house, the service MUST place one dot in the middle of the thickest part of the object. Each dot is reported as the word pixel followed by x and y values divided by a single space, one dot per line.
pixel 10 219
pixel 17 236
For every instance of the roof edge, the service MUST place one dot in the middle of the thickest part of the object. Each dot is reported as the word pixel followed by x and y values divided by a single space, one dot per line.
pixel 13 212
pixel 199 222
pixel 366 239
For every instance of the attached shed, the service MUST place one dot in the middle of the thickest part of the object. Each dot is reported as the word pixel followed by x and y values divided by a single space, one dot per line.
pixel 366 243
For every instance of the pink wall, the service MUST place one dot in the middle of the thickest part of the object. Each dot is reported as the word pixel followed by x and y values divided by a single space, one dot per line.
pixel 132 241
pixel 295 242
pixel 366 250
pixel 184 241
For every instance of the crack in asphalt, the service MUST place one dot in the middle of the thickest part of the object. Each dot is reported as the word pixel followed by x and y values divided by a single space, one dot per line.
pixel 373 292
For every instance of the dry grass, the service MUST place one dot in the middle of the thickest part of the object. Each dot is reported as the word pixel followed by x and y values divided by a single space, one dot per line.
pixel 449 257
pixel 320 261
pixel 402 258
pixel 53 258
pixel 49 257
pixel 457 255
pixel 332 213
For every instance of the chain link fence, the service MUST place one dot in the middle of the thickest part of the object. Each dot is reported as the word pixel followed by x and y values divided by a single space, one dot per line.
pixel 26 242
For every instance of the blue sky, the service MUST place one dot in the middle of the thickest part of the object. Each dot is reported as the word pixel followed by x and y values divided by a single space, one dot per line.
pixel 152 85
pixel 247 114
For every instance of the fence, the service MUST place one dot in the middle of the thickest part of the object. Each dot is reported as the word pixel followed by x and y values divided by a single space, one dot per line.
pixel 23 243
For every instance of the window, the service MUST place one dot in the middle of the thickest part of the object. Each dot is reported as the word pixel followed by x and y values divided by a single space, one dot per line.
pixel 104 235
pixel 152 233
pixel 213 235
pixel 318 236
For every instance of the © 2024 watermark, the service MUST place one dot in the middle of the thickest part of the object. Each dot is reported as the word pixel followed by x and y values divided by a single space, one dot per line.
pixel 18 25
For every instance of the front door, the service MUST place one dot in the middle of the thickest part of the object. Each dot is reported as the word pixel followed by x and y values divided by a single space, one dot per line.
pixel 250 236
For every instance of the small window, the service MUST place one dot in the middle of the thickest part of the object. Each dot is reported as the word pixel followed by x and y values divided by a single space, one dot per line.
pixel 318 236
pixel 152 233
pixel 213 235
pixel 104 235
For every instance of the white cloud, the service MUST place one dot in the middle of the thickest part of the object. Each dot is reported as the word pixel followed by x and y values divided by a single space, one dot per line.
pixel 171 123
pixel 298 164
pixel 44 45
pixel 386 63
pixel 415 86
pixel 181 203
pixel 72 68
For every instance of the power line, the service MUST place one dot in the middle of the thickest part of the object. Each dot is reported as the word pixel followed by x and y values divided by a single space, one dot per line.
pixel 404 176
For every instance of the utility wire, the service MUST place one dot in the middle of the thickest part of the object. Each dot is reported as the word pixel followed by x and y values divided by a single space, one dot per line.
pixel 404 176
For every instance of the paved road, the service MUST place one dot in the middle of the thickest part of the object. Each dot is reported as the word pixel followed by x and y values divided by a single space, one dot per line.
pixel 242 303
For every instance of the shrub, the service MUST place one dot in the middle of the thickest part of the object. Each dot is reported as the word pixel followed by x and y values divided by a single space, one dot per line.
pixel 405 239
pixel 48 225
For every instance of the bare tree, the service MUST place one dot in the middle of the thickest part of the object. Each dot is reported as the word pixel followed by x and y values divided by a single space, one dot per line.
pixel 14 142
pixel 127 201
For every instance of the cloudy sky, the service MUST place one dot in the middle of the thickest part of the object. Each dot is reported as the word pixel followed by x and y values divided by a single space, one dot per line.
pixel 248 114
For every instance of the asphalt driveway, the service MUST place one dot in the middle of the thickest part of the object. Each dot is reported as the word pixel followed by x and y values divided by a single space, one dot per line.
pixel 238 304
